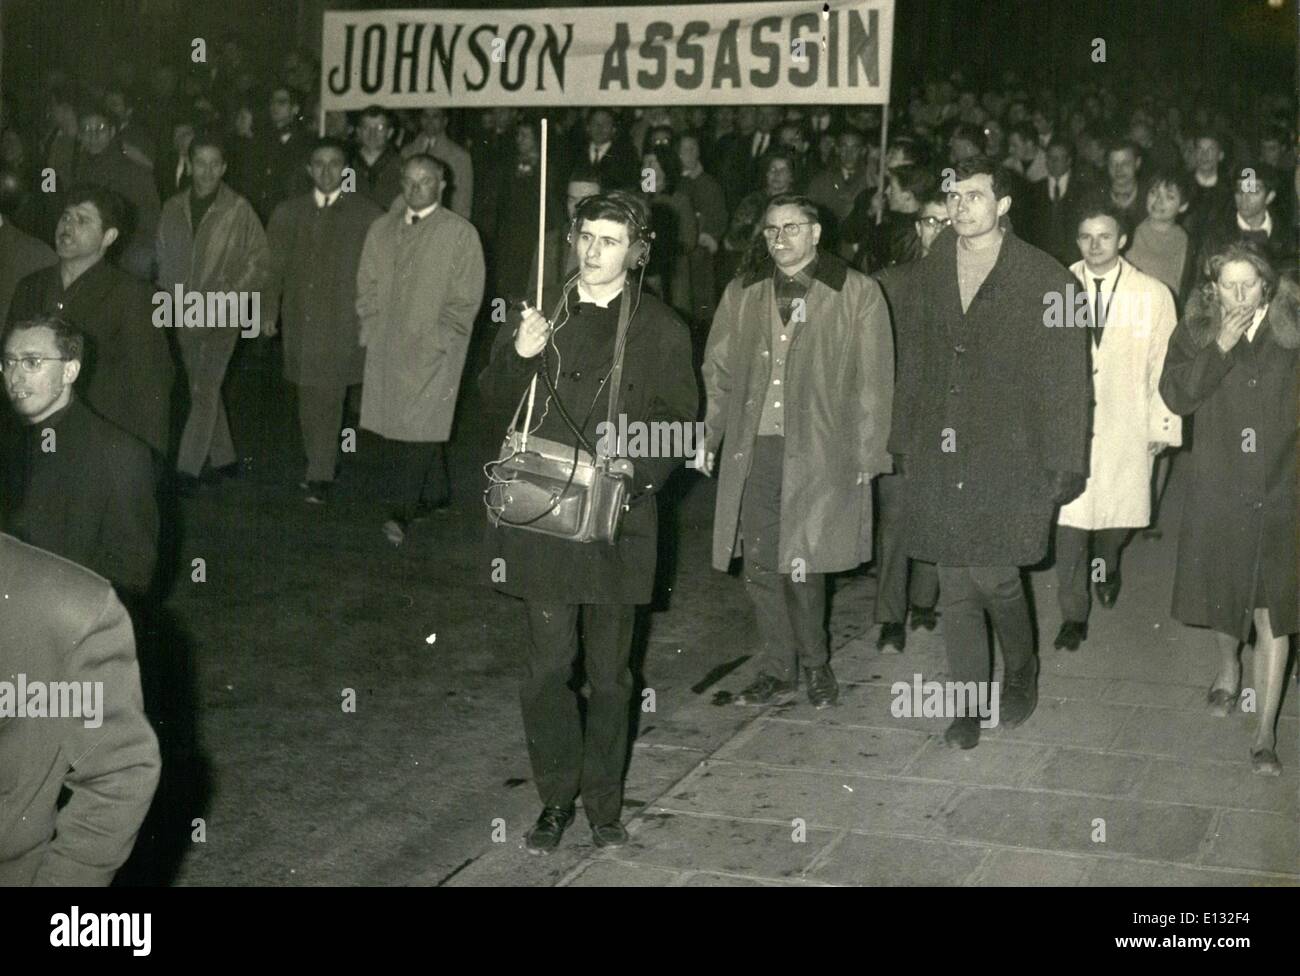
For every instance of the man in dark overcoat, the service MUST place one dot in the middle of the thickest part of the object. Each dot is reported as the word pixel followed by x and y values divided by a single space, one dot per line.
pixel 71 482
pixel 316 240
pixel 560 580
pixel 128 371
pixel 991 420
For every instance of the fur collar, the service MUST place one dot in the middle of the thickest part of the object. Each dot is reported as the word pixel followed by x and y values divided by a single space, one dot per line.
pixel 1282 320
pixel 831 271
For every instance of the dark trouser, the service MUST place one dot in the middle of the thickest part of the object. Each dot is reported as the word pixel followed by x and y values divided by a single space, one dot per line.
pixel 566 758
pixel 791 614
pixel 893 589
pixel 419 475
pixel 965 592
pixel 1074 569
pixel 320 417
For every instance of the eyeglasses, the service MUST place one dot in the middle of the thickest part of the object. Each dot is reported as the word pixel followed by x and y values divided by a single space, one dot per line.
pixel 94 127
pixel 933 222
pixel 791 231
pixel 30 364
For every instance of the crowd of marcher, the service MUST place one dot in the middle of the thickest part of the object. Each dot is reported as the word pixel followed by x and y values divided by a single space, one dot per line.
pixel 878 354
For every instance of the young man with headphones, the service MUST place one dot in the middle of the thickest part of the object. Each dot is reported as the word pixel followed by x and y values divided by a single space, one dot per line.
pixel 560 580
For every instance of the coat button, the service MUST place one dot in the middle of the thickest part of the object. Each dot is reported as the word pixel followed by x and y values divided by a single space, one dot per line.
pixel 1258 505
pixel 959 484
pixel 1251 382
pixel 959 349
pixel 953 390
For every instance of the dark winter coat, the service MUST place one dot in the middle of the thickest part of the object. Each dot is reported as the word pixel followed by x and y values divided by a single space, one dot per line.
pixel 126 376
pixel 1237 547
pixel 658 385
pixel 989 403
pixel 838 385
pixel 89 499
pixel 20 255
pixel 315 253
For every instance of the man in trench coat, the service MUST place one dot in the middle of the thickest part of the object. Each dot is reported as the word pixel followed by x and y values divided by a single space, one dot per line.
pixel 799 373
pixel 316 240
pixel 419 286
pixel 1130 316
pixel 991 423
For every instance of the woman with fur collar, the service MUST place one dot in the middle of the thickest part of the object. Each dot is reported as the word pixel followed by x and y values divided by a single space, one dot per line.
pixel 1233 362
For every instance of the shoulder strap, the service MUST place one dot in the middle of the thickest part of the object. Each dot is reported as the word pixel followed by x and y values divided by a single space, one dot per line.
pixel 620 340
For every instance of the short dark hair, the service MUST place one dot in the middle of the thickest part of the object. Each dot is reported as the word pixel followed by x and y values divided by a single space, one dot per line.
pixel 620 206
pixel 111 206
pixel 983 165
pixel 1124 145
pixel 1175 179
pixel 329 142
pixel 376 111
pixel 1058 142
pixel 1099 206
pixel 1266 177
pixel 95 106
pixel 1025 130
pixel 70 341
pixel 916 180
pixel 210 138
pixel 971 133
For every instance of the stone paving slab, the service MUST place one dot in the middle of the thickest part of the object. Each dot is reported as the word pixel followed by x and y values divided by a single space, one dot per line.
pixel 727 845
pixel 1198 736
pixel 1220 784
pixel 879 860
pixel 997 762
pixel 806 745
pixel 1061 822
pixel 620 874
pixel 1081 771
pixel 1009 868
pixel 1115 873
pixel 820 799
pixel 1258 841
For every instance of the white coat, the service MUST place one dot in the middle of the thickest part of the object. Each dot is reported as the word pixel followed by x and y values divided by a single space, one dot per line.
pixel 1129 412
pixel 418 290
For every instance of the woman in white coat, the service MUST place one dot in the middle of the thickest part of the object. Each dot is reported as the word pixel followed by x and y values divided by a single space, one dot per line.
pixel 1130 316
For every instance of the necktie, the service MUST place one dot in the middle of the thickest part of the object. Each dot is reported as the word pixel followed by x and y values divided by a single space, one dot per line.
pixel 1098 313
pixel 415 219
pixel 1052 191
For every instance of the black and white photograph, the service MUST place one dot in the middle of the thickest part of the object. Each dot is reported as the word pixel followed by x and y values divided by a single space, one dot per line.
pixel 658 444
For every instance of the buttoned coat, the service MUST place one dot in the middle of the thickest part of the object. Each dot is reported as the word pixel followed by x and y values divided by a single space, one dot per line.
pixel 64 623
pixel 1237 547
pixel 839 381
pixel 419 287
pixel 315 253
pixel 990 402
pixel 1128 411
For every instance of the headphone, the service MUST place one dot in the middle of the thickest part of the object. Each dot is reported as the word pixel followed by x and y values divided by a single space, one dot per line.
pixel 638 253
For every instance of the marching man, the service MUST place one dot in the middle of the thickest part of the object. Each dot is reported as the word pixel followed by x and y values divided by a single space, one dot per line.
pixel 1131 316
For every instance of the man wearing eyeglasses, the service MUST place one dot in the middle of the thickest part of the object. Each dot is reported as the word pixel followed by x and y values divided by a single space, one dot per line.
pixel 70 481
pixel 101 159
pixel 991 420
pixel 799 371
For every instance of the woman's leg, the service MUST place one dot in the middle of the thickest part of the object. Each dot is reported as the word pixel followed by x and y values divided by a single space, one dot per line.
pixel 1229 678
pixel 1270 670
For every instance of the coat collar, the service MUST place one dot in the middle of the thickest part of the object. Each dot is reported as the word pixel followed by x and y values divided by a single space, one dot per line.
pixel 831 271
pixel 1282 321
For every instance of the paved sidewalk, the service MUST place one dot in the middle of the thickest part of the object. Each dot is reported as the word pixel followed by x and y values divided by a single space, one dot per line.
pixel 1119 778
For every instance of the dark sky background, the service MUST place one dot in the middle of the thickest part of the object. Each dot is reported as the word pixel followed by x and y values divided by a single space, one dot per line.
pixel 1204 44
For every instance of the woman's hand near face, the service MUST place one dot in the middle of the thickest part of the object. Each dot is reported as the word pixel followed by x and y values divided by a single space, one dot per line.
pixel 1234 325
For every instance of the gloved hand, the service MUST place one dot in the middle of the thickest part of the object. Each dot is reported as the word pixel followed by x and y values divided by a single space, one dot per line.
pixel 1066 486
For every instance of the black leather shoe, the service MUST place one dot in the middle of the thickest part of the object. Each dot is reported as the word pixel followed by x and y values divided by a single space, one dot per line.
pixel 763 690
pixel 609 835
pixel 823 689
pixel 924 617
pixel 964 733
pixel 1019 695
pixel 893 638
pixel 1108 592
pixel 546 833
pixel 1071 635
